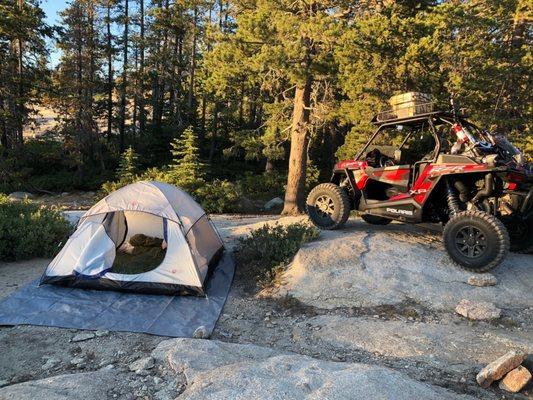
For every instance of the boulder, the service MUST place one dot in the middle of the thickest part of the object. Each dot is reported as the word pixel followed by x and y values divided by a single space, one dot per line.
pixel 482 280
pixel 83 386
pixel 458 345
pixel 219 371
pixel 246 205
pixel 18 196
pixel 367 266
pixel 276 202
pixel 515 380
pixel 478 310
pixel 498 368
pixel 142 364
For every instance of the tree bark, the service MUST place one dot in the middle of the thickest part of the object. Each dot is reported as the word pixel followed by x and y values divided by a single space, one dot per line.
pixel 122 125
pixel 20 72
pixel 295 192
pixel 3 132
pixel 136 96
pixel 201 134
pixel 142 115
pixel 190 100
pixel 241 104
pixel 214 133
pixel 109 51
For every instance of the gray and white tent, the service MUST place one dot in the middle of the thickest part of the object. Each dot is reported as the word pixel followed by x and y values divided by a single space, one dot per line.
pixel 154 209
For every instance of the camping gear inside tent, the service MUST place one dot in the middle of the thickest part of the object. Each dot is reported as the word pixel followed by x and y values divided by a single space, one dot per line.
pixel 147 237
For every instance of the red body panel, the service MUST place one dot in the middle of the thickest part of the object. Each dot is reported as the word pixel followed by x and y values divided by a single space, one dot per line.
pixel 421 189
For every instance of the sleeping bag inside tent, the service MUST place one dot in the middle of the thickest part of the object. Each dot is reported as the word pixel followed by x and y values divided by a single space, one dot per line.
pixel 147 237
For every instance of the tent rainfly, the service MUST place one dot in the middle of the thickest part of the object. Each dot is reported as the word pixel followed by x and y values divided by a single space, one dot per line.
pixel 155 209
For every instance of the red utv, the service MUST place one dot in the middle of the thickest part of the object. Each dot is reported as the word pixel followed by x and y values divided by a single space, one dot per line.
pixel 436 167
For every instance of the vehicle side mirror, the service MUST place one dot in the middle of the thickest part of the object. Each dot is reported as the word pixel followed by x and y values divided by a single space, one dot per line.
pixel 397 156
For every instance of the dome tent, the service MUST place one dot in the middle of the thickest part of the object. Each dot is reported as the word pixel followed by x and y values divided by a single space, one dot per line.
pixel 159 210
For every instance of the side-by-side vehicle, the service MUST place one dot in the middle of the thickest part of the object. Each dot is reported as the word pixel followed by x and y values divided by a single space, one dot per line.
pixel 437 167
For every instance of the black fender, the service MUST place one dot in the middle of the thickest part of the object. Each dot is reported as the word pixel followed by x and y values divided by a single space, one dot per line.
pixel 345 179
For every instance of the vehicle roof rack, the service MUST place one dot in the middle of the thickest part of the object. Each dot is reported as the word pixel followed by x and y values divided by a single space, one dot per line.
pixel 378 119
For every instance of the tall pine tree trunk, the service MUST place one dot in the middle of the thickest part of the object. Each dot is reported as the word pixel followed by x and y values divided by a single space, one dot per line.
pixel 95 144
pixel 142 115
pixel 214 133
pixel 80 104
pixel 20 77
pixel 190 100
pixel 295 192
pixel 122 125
pixel 136 96
pixel 201 134
pixel 3 132
pixel 109 52
pixel 241 104
pixel 179 68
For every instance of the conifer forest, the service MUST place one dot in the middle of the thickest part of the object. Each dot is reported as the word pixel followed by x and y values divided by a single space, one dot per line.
pixel 241 99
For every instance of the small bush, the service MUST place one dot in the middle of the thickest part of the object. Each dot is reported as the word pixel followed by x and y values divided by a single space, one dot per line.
pixel 28 230
pixel 186 166
pixel 265 253
pixel 262 187
pixel 127 166
pixel 218 196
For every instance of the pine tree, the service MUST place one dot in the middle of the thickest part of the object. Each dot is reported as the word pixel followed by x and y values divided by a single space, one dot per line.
pixel 127 169
pixel 23 71
pixel 291 45
pixel 186 168
pixel 79 88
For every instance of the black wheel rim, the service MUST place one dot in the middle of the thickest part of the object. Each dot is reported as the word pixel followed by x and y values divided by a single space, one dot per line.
pixel 471 242
pixel 325 207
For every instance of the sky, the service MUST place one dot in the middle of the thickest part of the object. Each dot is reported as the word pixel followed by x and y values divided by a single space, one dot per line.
pixel 51 9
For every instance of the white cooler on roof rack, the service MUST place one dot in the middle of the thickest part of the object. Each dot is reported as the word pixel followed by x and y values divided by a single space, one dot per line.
pixel 410 104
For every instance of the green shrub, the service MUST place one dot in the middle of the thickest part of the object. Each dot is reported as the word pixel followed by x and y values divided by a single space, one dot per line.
pixel 28 230
pixel 45 164
pixel 262 187
pixel 186 166
pixel 218 196
pixel 265 253
pixel 127 166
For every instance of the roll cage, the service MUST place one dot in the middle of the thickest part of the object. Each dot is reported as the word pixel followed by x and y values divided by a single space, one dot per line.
pixel 432 120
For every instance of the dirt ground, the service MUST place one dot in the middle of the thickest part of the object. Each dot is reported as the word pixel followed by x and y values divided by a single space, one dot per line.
pixel 409 336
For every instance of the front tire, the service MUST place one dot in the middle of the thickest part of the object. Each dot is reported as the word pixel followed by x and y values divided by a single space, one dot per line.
pixel 328 206
pixel 476 241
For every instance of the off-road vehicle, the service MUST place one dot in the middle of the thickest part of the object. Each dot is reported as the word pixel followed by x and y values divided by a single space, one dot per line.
pixel 436 167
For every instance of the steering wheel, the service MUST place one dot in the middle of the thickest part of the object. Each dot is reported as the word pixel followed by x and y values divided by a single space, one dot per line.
pixel 385 161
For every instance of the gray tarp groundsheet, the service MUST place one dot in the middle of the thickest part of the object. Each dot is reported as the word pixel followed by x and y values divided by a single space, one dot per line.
pixel 174 316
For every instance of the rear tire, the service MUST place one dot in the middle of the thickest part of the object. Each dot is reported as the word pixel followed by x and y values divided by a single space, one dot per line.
pixel 476 241
pixel 520 233
pixel 328 206
pixel 375 219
